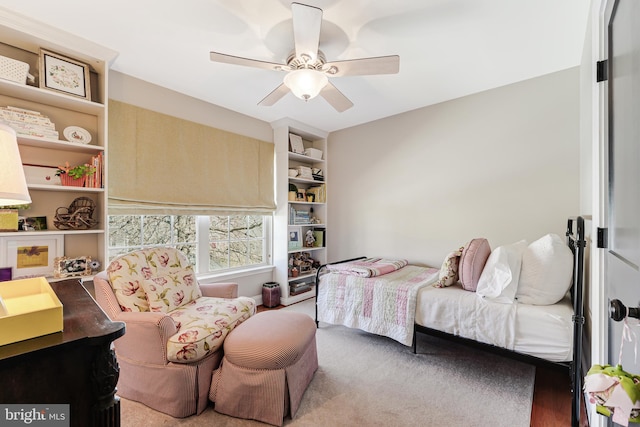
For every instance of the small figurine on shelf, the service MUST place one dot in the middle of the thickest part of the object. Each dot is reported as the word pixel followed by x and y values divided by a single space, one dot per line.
pixel 313 219
pixel 309 239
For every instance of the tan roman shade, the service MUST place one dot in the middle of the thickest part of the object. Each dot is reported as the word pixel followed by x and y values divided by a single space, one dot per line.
pixel 159 164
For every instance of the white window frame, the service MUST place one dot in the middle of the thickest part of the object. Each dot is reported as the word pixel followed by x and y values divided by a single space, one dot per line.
pixel 202 251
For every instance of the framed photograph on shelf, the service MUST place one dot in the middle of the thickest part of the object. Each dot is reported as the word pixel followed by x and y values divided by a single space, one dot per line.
pixel 36 223
pixel 66 75
pixel 295 238
pixel 319 242
pixel 31 256
pixel 70 267
pixel 296 144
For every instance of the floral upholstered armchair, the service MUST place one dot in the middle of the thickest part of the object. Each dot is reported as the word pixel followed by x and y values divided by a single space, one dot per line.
pixel 175 327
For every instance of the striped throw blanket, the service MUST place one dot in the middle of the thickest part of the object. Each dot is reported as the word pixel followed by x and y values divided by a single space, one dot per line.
pixel 369 267
pixel 383 305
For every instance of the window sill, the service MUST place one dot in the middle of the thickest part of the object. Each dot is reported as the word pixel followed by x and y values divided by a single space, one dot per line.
pixel 234 274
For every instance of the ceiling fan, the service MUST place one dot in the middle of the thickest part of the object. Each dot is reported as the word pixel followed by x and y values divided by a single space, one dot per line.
pixel 306 67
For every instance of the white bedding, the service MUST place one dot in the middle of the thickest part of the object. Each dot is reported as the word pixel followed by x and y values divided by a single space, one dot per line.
pixel 540 331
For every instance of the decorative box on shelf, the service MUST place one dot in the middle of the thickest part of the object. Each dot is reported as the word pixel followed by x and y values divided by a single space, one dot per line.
pixel 29 308
pixel 13 70
pixel 8 220
pixel 297 288
pixel 314 153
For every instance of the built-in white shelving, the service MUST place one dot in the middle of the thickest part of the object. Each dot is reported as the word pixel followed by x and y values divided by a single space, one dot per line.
pixel 284 225
pixel 22 39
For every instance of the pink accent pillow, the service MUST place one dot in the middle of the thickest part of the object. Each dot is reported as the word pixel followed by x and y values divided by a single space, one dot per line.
pixel 474 257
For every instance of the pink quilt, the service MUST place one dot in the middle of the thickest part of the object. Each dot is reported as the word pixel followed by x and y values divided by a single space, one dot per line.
pixel 383 305
pixel 369 267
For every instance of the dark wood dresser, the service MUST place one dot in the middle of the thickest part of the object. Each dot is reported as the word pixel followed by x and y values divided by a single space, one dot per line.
pixel 76 366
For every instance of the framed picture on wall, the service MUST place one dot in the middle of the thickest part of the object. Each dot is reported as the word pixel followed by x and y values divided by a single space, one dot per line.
pixel 61 74
pixel 30 256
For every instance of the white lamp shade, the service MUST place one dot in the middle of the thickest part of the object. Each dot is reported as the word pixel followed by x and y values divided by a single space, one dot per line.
pixel 305 83
pixel 13 186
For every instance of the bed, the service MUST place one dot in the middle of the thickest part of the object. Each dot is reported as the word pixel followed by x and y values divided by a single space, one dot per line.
pixel 398 300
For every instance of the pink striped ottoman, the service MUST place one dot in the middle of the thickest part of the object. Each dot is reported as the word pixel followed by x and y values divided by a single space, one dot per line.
pixel 269 360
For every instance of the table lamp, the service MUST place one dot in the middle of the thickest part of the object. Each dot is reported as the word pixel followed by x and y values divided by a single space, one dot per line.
pixel 13 185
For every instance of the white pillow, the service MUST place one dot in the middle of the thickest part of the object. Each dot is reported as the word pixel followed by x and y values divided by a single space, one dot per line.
pixel 547 266
pixel 499 279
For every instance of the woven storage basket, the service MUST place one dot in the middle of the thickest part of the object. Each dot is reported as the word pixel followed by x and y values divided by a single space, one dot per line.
pixel 16 71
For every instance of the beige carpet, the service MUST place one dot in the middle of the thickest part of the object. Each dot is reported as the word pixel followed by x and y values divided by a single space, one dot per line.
pixel 368 380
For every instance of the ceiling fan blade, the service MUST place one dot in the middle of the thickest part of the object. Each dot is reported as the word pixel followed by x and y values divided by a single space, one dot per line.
pixel 236 60
pixel 334 97
pixel 307 21
pixel 363 67
pixel 274 96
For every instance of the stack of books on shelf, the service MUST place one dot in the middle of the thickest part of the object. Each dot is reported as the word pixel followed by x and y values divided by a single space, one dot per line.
pixel 28 122
pixel 95 179
pixel 297 288
pixel 298 217
pixel 319 193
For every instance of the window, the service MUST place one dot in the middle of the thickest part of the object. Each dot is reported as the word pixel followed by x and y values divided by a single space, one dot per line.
pixel 211 243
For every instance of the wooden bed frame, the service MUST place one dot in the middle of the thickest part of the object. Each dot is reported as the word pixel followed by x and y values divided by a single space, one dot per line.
pixel 576 242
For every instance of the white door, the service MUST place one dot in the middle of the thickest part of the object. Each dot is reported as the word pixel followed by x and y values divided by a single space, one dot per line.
pixel 622 259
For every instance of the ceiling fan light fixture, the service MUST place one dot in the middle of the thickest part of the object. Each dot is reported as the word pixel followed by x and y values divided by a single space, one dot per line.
pixel 305 83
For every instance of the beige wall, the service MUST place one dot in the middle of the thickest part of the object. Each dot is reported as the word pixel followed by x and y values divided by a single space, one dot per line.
pixel 502 164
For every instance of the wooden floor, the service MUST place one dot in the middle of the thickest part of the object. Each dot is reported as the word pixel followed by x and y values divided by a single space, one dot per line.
pixel 552 399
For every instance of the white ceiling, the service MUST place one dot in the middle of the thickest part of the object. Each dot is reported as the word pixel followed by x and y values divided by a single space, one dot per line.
pixel 447 48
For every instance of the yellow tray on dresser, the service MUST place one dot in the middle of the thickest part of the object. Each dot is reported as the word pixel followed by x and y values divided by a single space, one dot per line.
pixel 28 308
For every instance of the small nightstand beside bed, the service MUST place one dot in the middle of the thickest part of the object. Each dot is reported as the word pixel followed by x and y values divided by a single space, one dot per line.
pixel 522 300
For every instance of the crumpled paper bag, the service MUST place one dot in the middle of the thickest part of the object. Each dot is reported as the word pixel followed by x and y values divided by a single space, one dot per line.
pixel 615 392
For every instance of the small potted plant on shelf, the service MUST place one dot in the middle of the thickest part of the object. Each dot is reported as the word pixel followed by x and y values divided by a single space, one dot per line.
pixel 74 176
